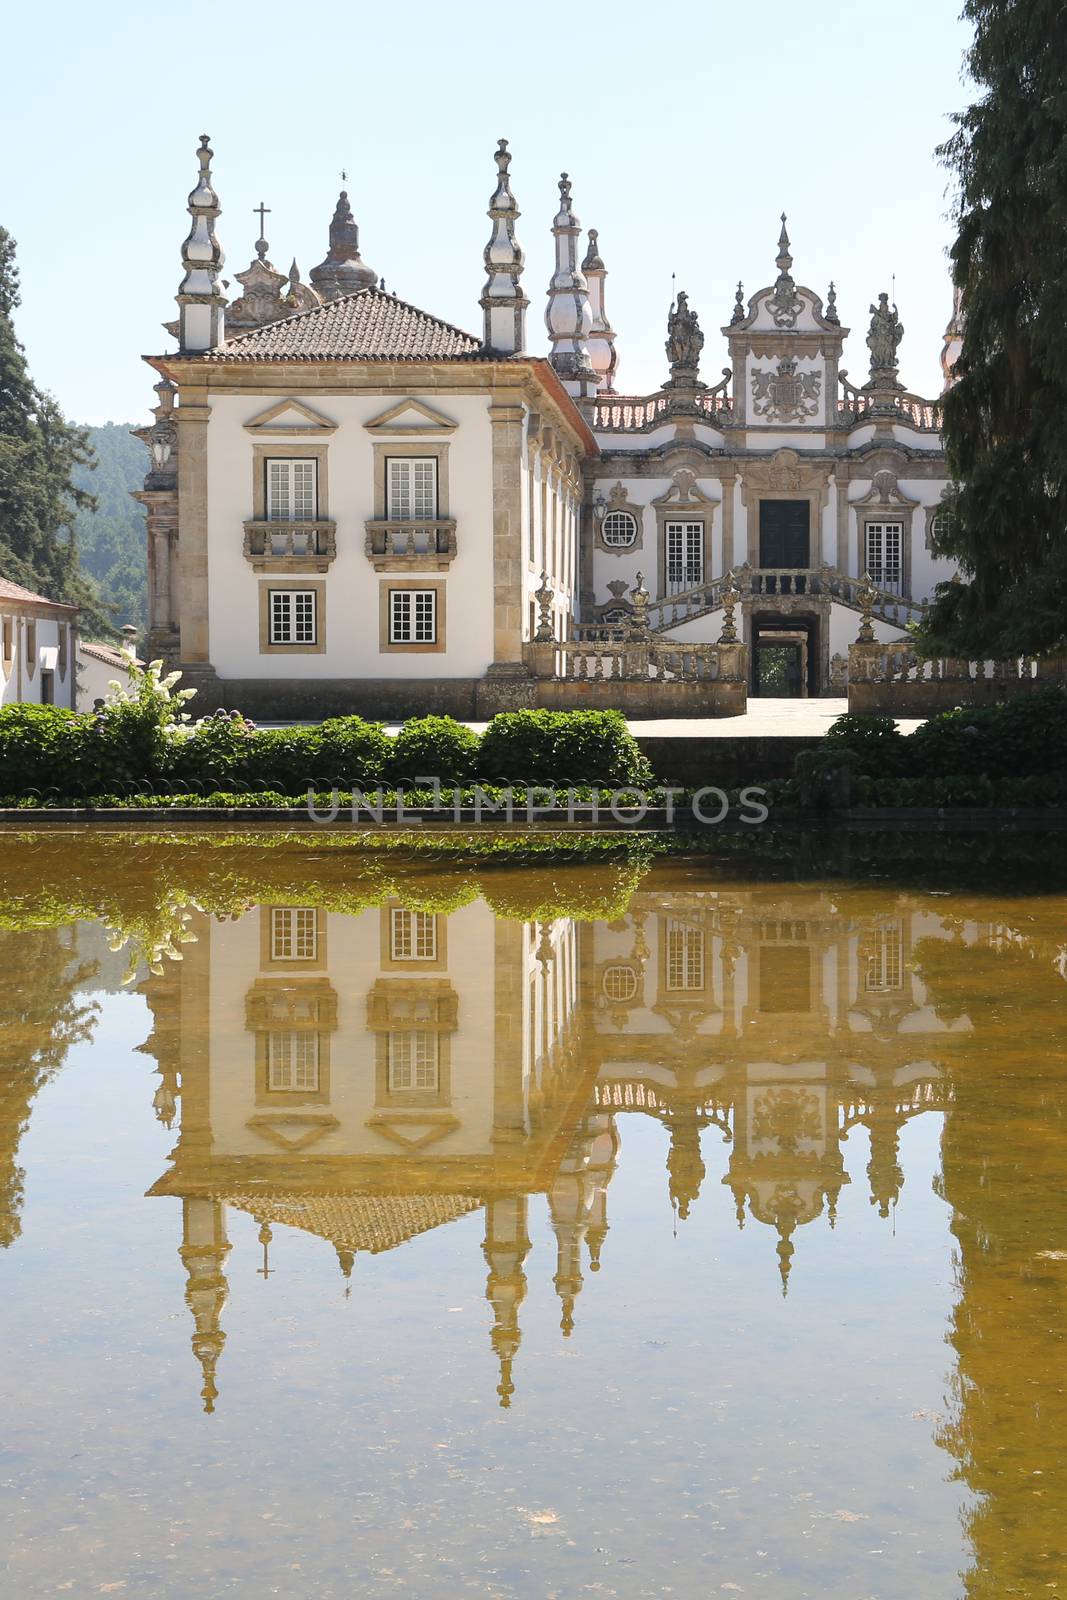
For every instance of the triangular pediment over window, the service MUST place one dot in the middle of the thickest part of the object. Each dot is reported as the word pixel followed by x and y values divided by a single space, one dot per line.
pixel 292 418
pixel 411 416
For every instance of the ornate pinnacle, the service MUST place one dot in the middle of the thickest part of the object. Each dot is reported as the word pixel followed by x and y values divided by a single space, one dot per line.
pixel 831 305
pixel 784 260
pixel 544 597
pixel 739 305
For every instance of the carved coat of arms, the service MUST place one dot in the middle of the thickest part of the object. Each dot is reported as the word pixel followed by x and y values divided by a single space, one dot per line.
pixel 785 395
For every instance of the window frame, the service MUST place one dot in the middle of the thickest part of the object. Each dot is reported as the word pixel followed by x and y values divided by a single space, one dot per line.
pixel 295 1037
pixel 411 463
pixel 623 516
pixel 285 622
pixel 881 526
pixel 692 531
pixel 291 462
pixel 388 640
pixel 269 644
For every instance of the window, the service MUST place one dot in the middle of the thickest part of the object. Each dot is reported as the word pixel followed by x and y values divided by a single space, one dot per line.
pixel 619 530
pixel 294 933
pixel 685 555
pixel 413 616
pixel 31 647
pixel 412 935
pixel 619 983
pixel 292 490
pixel 292 618
pixel 9 641
pixel 882 958
pixel 885 543
pixel 940 526
pixel 685 956
pixel 412 488
pixel 292 1060
pixel 413 1063
pixel 48 687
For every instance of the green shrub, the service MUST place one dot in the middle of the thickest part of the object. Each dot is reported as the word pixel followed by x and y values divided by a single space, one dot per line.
pixel 39 747
pixel 224 751
pixel 436 747
pixel 876 744
pixel 1022 737
pixel 562 747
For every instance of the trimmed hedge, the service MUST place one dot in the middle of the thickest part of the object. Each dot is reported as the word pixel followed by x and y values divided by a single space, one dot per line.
pixel 562 747
pixel 49 750
pixel 1021 738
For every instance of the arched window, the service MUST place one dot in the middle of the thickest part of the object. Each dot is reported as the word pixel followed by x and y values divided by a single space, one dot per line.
pixel 619 530
pixel 619 983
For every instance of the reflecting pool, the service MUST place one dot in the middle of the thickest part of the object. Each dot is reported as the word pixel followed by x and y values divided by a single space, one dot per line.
pixel 376 1229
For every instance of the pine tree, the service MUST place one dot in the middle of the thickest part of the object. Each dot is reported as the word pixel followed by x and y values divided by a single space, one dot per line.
pixel 1004 418
pixel 39 451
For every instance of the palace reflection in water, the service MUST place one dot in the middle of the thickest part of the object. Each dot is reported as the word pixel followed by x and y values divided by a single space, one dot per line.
pixel 369 1078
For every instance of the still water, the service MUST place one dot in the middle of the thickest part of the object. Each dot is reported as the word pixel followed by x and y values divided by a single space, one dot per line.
pixel 595 1232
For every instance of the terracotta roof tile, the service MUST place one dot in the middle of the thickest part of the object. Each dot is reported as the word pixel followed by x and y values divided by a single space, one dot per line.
pixel 370 325
pixel 15 591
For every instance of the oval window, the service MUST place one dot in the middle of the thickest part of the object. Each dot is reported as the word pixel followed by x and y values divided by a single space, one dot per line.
pixel 619 983
pixel 619 530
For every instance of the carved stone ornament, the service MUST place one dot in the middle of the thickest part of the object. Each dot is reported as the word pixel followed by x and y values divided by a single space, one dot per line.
pixel 785 395
pixel 785 305
pixel 730 595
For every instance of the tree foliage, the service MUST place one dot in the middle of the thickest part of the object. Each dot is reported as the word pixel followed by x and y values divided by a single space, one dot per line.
pixel 1004 416
pixel 39 454
pixel 110 535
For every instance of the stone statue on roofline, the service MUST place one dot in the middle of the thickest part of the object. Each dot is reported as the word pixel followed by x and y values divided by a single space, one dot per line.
pixel 884 338
pixel 684 339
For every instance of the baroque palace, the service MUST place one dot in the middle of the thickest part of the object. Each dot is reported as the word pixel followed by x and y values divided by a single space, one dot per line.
pixel 369 1078
pixel 355 506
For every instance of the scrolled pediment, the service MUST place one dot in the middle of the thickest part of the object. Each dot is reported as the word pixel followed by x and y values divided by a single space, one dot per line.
pixel 684 491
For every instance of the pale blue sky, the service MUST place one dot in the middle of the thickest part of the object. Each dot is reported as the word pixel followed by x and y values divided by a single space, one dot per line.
pixel 686 132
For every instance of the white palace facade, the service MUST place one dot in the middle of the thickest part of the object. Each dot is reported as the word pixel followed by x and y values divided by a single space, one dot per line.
pixel 353 505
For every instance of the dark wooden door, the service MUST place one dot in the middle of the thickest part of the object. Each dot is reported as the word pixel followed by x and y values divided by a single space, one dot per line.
pixel 784 533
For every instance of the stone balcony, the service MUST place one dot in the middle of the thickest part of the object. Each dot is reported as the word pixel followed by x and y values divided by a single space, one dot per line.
pixel 290 546
pixel 411 546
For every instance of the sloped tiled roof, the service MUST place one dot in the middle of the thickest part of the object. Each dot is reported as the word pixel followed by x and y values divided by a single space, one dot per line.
pixel 357 1222
pixel 15 591
pixel 108 653
pixel 369 326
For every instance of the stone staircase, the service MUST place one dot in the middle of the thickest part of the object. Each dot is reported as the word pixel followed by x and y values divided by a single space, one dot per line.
pixel 789 588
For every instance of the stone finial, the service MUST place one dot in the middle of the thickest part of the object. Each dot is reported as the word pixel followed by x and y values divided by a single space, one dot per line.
pixel 568 315
pixel 831 305
pixel 783 261
pixel 503 302
pixel 201 319
pixel 300 296
pixel 739 306
pixel 953 344
pixel 544 597
pixel 343 271
pixel 867 596
pixel 263 297
pixel 730 594
pixel 602 352
pixel 639 599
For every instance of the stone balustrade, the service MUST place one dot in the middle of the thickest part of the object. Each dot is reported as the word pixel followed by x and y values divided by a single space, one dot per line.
pixel 411 546
pixel 820 583
pixel 289 546
pixel 608 666
pixel 890 679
